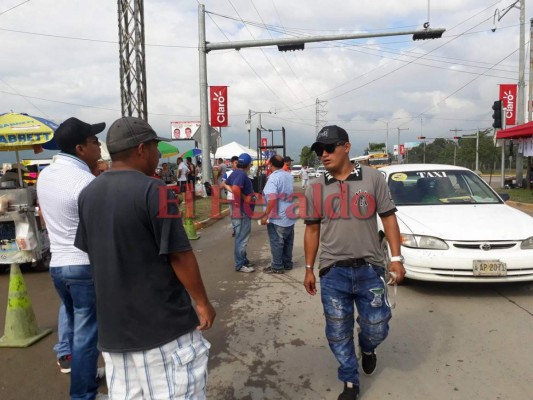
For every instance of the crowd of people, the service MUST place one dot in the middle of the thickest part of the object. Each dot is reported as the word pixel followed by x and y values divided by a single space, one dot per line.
pixel 111 276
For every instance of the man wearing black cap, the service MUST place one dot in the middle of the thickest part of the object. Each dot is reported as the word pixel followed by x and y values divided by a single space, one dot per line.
pixel 145 274
pixel 58 188
pixel 342 210
pixel 287 164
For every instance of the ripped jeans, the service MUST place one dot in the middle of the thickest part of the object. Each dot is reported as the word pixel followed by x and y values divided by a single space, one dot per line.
pixel 341 288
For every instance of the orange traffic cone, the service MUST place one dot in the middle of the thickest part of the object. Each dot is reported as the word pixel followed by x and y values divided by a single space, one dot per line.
pixel 21 328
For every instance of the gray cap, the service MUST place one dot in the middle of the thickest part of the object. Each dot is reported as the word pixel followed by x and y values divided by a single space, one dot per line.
pixel 129 132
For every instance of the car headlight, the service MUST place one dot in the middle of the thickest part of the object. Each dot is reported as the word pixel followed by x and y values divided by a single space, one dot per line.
pixel 424 242
pixel 527 244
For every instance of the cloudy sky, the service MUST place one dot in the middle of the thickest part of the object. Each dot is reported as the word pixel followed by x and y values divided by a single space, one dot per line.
pixel 60 58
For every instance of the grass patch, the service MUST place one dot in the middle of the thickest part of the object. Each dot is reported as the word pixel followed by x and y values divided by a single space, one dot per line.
pixel 201 208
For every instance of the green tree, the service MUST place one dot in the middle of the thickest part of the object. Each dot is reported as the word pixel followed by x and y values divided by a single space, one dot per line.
pixel 308 157
pixel 376 146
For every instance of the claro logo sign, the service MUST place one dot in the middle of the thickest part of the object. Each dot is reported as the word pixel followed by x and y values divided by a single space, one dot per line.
pixel 508 93
pixel 219 105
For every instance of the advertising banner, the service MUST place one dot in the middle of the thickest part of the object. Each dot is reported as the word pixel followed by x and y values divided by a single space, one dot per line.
pixel 508 95
pixel 183 130
pixel 218 99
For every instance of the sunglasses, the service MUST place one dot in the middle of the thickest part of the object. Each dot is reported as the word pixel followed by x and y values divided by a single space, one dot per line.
pixel 328 148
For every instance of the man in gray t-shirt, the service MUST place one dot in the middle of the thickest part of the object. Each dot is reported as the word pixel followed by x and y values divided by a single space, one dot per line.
pixel 341 217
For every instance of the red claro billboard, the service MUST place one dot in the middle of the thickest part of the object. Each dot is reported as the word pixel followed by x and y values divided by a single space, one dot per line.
pixel 218 96
pixel 508 93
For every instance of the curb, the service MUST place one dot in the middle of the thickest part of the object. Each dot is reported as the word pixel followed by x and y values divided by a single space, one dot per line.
pixel 211 220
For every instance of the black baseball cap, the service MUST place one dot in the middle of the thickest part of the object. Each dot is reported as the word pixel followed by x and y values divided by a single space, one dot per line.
pixel 287 158
pixel 128 132
pixel 329 135
pixel 73 132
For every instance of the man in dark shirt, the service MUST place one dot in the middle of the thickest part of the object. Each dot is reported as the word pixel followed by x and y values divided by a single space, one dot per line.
pixel 241 219
pixel 145 274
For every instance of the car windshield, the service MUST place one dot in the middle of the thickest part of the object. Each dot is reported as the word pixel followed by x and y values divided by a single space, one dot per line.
pixel 295 168
pixel 443 187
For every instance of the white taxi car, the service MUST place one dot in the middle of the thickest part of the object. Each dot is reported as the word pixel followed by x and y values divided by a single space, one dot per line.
pixel 456 228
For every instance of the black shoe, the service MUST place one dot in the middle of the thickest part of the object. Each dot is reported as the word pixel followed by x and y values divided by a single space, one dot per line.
pixel 349 393
pixel 270 270
pixel 369 362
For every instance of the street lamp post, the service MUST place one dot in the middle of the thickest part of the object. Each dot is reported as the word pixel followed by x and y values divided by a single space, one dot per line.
pixel 251 113
pixel 455 144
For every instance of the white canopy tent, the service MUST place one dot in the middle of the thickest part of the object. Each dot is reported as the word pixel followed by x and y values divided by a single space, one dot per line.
pixel 234 149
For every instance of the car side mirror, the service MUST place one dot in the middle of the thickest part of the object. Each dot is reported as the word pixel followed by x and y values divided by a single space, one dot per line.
pixel 504 196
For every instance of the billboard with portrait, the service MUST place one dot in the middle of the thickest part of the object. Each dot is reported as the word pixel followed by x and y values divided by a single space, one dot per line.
pixel 183 130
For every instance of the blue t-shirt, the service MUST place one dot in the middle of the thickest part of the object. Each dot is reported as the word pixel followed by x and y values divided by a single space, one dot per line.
pixel 240 179
pixel 279 187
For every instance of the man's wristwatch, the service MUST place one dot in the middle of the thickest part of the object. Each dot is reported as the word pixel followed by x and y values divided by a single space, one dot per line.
pixel 397 258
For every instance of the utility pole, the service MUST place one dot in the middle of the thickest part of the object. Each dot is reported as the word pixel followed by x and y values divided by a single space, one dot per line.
pixel 521 89
pixel 284 44
pixel 520 103
pixel 398 155
pixel 530 98
pixel 455 144
pixel 320 112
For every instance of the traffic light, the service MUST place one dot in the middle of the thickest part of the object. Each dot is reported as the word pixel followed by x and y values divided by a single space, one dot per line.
pixel 429 34
pixel 421 137
pixel 497 114
pixel 291 47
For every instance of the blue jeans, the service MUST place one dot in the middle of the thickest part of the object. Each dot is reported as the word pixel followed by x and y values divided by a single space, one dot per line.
pixel 243 228
pixel 75 286
pixel 341 287
pixel 281 243
pixel 64 333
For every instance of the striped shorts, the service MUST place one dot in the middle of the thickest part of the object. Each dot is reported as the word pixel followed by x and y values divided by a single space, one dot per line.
pixel 176 370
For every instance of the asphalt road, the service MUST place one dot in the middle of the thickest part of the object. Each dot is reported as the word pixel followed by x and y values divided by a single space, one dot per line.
pixel 447 341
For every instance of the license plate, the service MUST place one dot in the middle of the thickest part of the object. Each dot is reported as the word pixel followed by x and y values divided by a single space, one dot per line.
pixel 489 268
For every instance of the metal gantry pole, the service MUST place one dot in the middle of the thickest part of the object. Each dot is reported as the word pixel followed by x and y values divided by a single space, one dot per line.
pixel 398 155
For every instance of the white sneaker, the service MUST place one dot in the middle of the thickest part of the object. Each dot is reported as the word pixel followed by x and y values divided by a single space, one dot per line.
pixel 245 268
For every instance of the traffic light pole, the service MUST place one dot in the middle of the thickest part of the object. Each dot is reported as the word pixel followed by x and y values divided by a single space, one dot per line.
pixel 294 43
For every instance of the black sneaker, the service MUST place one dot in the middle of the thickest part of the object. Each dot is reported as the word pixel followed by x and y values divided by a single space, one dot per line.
pixel 350 392
pixel 368 362
pixel 64 363
pixel 270 270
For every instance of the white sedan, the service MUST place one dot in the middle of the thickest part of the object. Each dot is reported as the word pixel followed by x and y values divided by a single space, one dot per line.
pixel 455 228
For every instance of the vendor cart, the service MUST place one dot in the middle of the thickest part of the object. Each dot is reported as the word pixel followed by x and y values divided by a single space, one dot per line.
pixel 23 237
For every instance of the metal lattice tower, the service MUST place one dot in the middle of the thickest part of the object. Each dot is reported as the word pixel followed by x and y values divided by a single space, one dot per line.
pixel 132 58
pixel 320 113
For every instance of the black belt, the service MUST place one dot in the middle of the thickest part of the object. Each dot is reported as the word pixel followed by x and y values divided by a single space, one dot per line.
pixel 351 262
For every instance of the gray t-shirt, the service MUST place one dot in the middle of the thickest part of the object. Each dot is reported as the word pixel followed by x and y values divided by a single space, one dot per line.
pixel 347 211
pixel 129 226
